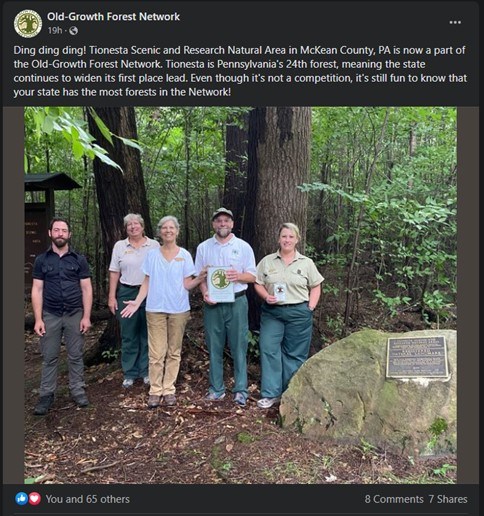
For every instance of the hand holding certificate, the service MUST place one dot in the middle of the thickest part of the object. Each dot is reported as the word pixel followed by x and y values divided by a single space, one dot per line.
pixel 280 292
pixel 220 289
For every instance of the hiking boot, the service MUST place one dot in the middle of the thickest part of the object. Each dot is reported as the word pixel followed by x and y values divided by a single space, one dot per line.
pixel 212 396
pixel 43 405
pixel 146 380
pixel 240 399
pixel 169 399
pixel 268 402
pixel 128 383
pixel 81 400
pixel 154 401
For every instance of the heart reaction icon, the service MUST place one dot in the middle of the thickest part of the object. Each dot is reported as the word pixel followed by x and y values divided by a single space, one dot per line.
pixel 34 498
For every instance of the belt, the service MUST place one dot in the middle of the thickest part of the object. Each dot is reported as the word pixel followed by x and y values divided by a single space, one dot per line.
pixel 239 294
pixel 287 305
pixel 130 286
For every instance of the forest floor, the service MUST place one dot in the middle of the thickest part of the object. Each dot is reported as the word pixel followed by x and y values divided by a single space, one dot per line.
pixel 117 439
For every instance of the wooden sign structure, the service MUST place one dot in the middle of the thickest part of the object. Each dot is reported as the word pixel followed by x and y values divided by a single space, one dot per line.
pixel 39 213
pixel 417 357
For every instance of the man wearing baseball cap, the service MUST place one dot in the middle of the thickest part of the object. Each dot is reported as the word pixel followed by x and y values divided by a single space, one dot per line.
pixel 227 320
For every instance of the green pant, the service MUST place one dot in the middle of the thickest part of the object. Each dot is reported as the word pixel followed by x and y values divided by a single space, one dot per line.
pixel 227 321
pixel 284 341
pixel 134 336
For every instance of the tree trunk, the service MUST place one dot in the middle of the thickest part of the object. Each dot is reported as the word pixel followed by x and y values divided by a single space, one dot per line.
pixel 118 193
pixel 279 161
pixel 235 187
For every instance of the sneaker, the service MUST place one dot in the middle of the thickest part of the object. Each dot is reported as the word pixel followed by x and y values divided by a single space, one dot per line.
pixel 146 380
pixel 128 383
pixel 268 402
pixel 81 400
pixel 154 401
pixel 240 399
pixel 212 396
pixel 169 399
pixel 43 405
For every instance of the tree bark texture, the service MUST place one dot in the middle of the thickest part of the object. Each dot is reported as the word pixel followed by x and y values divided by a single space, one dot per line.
pixel 279 161
pixel 118 193
pixel 235 187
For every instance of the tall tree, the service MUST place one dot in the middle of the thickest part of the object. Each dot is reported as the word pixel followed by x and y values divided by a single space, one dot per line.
pixel 235 188
pixel 119 190
pixel 279 159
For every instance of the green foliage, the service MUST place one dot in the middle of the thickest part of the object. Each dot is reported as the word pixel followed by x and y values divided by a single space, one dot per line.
pixel 443 470
pixel 110 355
pixel 436 429
pixel 334 324
pixel 253 348
pixel 34 480
pixel 72 128
pixel 367 449
pixel 437 302
pixel 245 438
pixel 221 465
pixel 327 461
pixel 407 234
pixel 391 303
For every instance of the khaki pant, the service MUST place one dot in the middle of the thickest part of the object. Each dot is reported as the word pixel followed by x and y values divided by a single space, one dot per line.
pixel 165 336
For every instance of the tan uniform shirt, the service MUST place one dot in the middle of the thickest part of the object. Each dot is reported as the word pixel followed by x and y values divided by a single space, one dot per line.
pixel 299 276
pixel 128 260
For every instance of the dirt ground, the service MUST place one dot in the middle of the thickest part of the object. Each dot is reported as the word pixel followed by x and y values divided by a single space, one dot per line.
pixel 117 439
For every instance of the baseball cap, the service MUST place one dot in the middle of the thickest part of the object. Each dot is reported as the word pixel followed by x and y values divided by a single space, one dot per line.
pixel 221 211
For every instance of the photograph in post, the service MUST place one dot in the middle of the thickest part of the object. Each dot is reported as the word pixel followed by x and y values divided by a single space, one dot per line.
pixel 336 229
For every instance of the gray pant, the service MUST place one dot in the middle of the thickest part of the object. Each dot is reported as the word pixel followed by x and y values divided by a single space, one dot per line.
pixel 67 325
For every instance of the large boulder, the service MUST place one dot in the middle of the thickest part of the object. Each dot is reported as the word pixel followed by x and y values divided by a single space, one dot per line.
pixel 342 394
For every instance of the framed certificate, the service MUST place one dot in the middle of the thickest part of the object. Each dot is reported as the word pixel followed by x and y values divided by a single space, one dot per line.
pixel 280 292
pixel 220 289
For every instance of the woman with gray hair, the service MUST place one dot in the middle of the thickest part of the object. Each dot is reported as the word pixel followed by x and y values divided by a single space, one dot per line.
pixel 169 275
pixel 125 279
pixel 290 285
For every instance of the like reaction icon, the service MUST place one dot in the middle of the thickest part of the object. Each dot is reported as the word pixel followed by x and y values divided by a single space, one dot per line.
pixel 21 498
pixel 34 498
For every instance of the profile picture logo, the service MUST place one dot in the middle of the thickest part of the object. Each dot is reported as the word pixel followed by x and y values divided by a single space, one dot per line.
pixel 28 23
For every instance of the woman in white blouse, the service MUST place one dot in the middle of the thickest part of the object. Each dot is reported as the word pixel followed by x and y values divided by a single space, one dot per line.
pixel 169 275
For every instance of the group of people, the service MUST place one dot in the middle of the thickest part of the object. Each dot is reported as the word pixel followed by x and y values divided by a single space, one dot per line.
pixel 149 288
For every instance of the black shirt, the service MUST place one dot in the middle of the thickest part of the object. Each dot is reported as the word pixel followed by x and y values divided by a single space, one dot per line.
pixel 61 276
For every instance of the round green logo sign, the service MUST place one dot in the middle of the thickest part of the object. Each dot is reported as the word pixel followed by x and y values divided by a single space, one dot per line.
pixel 219 279
pixel 28 23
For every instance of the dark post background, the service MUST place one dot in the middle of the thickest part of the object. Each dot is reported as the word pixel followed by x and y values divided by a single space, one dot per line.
pixel 279 24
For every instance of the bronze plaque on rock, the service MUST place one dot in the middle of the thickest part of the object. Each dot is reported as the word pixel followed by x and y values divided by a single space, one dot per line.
pixel 417 357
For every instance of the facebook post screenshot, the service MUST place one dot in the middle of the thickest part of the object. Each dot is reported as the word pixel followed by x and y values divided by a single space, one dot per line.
pixel 260 220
